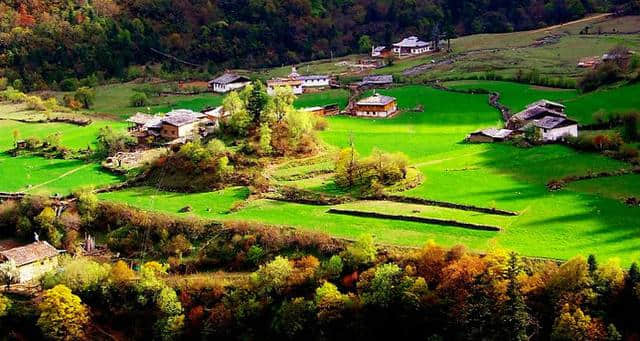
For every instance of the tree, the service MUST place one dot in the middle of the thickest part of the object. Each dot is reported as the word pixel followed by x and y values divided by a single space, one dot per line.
pixel 139 99
pixel 5 305
pixel 265 139
pixel 573 324
pixel 16 136
pixel 515 318
pixel 121 273
pixel 293 317
pixel 9 272
pixel 62 314
pixel 257 101
pixel 86 96
pixel 240 119
pixel 283 101
pixel 386 288
pixel 273 275
pixel 363 251
pixel 365 44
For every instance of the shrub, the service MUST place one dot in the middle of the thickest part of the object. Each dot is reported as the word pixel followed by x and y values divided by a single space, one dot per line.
pixel 35 103
pixel 69 84
pixel 4 82
pixel 85 96
pixel 18 85
pixel 139 99
pixel 62 314
pixel 606 73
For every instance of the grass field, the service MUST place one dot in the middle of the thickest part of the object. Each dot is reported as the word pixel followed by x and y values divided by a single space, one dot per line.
pixel 206 205
pixel 579 106
pixel 44 176
pixel 38 175
pixel 581 219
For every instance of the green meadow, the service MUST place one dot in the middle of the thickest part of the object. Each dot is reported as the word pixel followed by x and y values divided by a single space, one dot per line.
pixel 38 175
pixel 586 217
pixel 579 106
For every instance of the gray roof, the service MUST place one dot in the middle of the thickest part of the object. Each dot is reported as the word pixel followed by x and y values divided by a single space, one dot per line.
pixel 228 77
pixel 495 133
pixel 551 122
pixel 376 99
pixel 537 111
pixel 313 77
pixel 155 122
pixel 379 48
pixel 216 112
pixel 381 79
pixel 545 102
pixel 140 118
pixel 181 117
pixel 411 42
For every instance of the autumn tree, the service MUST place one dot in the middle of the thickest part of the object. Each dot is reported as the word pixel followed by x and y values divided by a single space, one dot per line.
pixel 62 314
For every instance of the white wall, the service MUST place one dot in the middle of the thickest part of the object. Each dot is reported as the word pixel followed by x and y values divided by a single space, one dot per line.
pixel 558 133
pixel 222 88
pixel 380 114
pixel 315 82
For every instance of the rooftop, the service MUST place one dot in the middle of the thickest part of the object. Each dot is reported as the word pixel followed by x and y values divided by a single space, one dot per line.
pixel 228 77
pixel 534 111
pixel 181 117
pixel 545 102
pixel 381 79
pixel 215 112
pixel 495 133
pixel 376 99
pixel 551 122
pixel 411 42
pixel 313 77
pixel 140 118
pixel 30 253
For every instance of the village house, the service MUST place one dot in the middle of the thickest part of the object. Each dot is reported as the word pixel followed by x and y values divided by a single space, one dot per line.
pixel 176 124
pixel 376 106
pixel 32 260
pixel 228 82
pixel 295 84
pixel 411 46
pixel 299 84
pixel 551 128
pixel 380 52
pixel 377 80
pixel 327 110
pixel 536 111
pixel 181 123
pixel 489 135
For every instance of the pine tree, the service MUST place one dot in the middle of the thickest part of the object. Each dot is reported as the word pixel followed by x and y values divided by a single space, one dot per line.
pixel 515 318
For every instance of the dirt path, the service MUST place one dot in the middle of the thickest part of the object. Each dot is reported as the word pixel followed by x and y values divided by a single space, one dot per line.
pixel 434 162
pixel 595 17
pixel 57 178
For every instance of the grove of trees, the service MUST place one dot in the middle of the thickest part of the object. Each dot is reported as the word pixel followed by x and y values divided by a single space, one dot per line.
pixel 55 43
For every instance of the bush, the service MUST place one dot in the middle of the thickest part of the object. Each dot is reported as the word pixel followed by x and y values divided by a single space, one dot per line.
pixel 85 96
pixel 4 82
pixel 139 99
pixel 69 84
pixel 18 85
pixel 606 73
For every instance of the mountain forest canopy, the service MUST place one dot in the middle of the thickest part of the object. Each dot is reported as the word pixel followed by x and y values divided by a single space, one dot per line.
pixel 42 42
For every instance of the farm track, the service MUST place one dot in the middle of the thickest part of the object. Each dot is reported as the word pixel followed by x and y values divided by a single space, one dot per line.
pixel 58 177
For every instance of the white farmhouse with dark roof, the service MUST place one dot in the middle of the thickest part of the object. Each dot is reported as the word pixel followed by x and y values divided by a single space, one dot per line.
pixel 411 46
pixel 553 128
pixel 228 82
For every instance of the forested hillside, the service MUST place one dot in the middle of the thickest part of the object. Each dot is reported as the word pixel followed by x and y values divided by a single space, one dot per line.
pixel 42 42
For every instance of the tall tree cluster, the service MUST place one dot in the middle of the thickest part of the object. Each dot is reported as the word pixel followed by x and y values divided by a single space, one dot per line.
pixel 42 42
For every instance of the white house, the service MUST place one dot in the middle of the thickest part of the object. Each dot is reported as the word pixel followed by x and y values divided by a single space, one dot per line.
pixel 295 84
pixel 32 260
pixel 228 82
pixel 553 128
pixel 314 81
pixel 411 46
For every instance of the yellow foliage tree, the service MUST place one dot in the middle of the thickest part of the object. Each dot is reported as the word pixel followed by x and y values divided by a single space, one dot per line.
pixel 62 314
